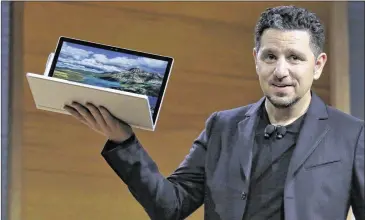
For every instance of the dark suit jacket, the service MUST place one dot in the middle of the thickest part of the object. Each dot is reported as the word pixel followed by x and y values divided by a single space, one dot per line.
pixel 325 177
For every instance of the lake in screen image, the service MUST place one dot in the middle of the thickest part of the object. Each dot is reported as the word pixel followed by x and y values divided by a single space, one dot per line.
pixel 110 69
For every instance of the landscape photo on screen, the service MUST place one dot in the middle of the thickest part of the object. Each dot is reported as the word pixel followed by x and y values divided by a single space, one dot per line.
pixel 111 69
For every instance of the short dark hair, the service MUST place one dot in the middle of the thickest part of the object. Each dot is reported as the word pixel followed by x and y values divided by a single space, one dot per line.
pixel 292 18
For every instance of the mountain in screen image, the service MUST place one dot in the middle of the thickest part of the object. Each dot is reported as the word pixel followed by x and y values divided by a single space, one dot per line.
pixel 133 80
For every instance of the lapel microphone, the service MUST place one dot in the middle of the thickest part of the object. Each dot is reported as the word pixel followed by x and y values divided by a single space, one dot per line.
pixel 270 129
pixel 280 132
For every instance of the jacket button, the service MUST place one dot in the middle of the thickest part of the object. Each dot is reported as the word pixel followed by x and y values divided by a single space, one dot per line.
pixel 243 195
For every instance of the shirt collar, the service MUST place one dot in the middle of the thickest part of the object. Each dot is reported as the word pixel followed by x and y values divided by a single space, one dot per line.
pixel 294 127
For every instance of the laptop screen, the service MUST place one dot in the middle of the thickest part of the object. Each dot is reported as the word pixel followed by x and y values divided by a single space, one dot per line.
pixel 113 68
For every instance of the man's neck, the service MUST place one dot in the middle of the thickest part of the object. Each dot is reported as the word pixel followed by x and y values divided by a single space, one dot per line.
pixel 285 116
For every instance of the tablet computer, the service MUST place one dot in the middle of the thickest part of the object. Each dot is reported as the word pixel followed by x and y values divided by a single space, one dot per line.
pixel 78 67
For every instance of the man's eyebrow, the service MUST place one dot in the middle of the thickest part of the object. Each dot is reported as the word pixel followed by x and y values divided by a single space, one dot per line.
pixel 288 51
pixel 296 52
pixel 267 50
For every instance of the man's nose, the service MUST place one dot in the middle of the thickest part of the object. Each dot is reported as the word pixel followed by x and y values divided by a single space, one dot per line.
pixel 281 69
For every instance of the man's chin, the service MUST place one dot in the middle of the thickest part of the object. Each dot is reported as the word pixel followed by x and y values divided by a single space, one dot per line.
pixel 282 101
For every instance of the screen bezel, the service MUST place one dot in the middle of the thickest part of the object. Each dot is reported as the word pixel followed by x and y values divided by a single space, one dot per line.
pixel 122 50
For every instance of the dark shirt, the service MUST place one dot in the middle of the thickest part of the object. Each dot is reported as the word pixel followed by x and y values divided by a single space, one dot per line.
pixel 271 158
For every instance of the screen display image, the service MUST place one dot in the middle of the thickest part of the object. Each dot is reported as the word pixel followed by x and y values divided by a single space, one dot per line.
pixel 111 69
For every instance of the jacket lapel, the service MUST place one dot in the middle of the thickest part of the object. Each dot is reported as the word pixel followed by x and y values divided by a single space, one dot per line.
pixel 246 136
pixel 314 129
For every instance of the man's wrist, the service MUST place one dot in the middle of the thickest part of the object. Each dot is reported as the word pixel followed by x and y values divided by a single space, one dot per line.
pixel 124 142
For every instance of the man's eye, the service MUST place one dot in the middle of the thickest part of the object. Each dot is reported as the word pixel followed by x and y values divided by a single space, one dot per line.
pixel 294 58
pixel 270 56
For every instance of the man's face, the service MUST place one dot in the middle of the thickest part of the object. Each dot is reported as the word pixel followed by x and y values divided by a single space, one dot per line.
pixel 286 66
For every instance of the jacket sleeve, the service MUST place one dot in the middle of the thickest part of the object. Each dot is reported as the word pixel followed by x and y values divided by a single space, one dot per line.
pixel 174 197
pixel 358 187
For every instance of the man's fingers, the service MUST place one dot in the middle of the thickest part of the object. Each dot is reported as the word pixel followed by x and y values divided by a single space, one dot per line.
pixel 98 117
pixel 75 113
pixel 110 120
pixel 84 112
pixel 101 120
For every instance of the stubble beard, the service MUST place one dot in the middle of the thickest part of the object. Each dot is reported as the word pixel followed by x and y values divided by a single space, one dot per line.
pixel 279 103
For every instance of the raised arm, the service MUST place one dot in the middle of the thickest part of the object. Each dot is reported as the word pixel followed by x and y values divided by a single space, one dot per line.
pixel 173 197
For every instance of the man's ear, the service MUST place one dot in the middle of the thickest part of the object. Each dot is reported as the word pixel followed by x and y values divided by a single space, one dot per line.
pixel 319 65
pixel 254 53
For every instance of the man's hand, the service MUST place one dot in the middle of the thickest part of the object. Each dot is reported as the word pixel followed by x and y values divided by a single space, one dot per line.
pixel 100 120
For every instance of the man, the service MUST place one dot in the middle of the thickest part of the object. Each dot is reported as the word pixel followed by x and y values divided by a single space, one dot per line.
pixel 288 156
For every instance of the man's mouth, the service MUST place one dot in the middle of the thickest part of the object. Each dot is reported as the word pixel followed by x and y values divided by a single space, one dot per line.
pixel 281 85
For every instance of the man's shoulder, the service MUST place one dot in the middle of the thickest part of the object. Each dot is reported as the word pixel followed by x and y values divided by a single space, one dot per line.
pixel 232 115
pixel 344 126
pixel 234 112
pixel 343 119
